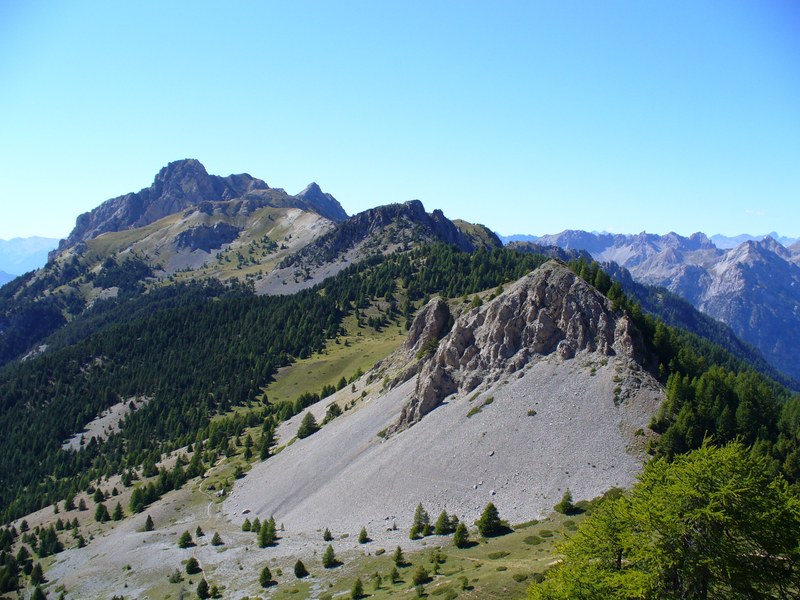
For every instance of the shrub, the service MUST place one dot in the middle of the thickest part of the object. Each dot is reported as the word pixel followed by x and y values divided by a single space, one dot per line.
pixel 565 507
pixel 363 538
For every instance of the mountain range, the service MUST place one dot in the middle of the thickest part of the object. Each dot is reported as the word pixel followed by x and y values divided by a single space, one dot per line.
pixel 754 287
pixel 210 353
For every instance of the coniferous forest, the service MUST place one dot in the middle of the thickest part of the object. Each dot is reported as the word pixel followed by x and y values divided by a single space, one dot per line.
pixel 197 350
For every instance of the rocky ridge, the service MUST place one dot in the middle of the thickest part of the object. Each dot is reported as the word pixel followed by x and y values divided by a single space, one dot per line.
pixel 550 311
pixel 564 401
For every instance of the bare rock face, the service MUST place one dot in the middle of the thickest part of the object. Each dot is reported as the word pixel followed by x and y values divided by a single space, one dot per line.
pixel 552 310
pixel 428 325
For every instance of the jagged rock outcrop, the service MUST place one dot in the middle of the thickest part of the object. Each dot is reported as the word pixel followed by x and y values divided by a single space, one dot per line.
pixel 550 311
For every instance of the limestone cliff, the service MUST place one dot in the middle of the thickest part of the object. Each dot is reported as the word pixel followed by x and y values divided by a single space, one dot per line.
pixel 549 311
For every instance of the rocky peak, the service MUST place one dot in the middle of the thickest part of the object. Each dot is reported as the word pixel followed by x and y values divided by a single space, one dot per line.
pixel 179 185
pixel 323 203
pixel 549 312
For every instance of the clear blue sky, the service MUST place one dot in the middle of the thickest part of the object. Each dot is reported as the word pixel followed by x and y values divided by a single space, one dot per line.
pixel 529 117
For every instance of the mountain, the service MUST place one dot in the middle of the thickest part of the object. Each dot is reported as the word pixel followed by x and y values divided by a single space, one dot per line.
pixel 754 288
pixel 20 255
pixel 726 243
pixel 384 229
pixel 5 277
pixel 190 226
pixel 324 203
pixel 182 399
pixel 507 239
pixel 183 184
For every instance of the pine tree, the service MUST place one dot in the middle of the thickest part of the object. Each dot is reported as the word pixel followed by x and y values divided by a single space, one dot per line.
pixel 442 526
pixel 265 579
pixel 398 557
pixel 38 594
pixel 199 532
pixel 148 524
pixel 37 575
pixel 117 514
pixel 358 590
pixel 101 513
pixel 265 444
pixel 327 535
pixel 394 576
pixel 300 570
pixel 202 589
pixel 246 525
pixel 489 524
pixel 420 576
pixel 363 538
pixel 329 558
pixel 267 534
pixel 422 522
pixel 307 426
pixel 185 540
pixel 216 540
pixel 192 566
pixel 461 536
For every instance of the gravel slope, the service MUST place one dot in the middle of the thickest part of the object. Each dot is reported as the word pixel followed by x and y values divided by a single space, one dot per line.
pixel 345 476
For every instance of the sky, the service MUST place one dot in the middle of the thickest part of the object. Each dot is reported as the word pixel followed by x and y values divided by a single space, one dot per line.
pixel 529 117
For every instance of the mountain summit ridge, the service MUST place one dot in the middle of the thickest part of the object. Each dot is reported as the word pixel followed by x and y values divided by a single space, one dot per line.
pixel 179 185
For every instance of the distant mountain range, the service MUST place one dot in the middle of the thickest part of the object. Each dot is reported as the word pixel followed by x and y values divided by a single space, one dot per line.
pixel 20 255
pixel 720 241
pixel 753 287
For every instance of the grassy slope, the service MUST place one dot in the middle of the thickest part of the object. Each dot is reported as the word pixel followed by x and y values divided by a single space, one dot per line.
pixel 361 348
pixel 501 567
